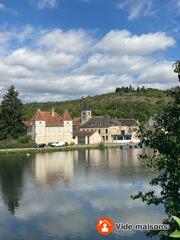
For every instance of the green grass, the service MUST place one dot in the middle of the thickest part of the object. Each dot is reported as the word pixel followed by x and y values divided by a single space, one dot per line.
pixel 60 149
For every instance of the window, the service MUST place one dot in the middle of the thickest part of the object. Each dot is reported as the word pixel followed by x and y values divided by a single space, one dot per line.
pixel 106 131
pixel 119 137
pixel 99 131
pixel 106 138
pixel 123 132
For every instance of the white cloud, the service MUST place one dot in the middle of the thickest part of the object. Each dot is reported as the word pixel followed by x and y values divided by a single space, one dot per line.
pixel 52 64
pixel 158 74
pixel 72 41
pixel 6 9
pixel 39 60
pixel 136 8
pixel 41 4
pixel 116 63
pixel 123 42
pixel 2 6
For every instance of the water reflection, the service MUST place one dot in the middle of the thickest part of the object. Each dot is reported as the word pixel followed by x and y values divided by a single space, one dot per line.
pixel 60 195
pixel 11 180
pixel 53 168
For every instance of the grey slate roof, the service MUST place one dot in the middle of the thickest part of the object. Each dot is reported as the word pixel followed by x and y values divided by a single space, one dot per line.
pixel 83 134
pixel 129 122
pixel 98 122
pixel 85 107
pixel 105 122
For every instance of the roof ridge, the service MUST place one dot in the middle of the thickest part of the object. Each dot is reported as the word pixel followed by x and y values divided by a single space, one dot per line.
pixel 66 116
pixel 41 115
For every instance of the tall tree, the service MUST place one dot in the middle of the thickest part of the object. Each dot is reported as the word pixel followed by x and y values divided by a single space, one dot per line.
pixel 164 140
pixel 176 67
pixel 11 123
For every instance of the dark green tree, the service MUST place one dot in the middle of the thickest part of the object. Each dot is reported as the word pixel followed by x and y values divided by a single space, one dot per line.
pixel 164 140
pixel 176 67
pixel 11 120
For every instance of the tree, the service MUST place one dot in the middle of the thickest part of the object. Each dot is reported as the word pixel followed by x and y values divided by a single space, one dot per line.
pixel 11 123
pixel 164 140
pixel 176 67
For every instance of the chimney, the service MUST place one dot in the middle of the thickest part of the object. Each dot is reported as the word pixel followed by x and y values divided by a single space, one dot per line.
pixel 52 112
pixel 39 110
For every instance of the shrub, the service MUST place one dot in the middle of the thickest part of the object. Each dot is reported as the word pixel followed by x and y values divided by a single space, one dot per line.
pixel 101 145
pixel 13 144
pixel 24 139
pixel 66 144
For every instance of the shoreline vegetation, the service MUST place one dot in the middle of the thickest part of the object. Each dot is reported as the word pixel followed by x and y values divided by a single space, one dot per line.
pixel 100 146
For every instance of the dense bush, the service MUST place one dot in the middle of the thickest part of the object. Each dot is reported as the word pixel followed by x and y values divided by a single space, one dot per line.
pixel 14 144
pixel 24 139
pixel 101 146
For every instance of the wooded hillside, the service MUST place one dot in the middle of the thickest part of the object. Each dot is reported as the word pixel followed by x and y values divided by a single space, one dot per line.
pixel 123 103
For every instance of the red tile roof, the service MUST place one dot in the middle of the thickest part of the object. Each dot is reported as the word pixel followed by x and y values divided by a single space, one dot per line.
pixel 52 119
pixel 27 123
pixel 66 116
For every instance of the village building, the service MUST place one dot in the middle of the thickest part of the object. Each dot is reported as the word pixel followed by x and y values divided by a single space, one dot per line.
pixel 83 137
pixel 49 127
pixel 109 129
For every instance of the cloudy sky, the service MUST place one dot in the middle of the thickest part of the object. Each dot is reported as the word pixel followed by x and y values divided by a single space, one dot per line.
pixel 64 49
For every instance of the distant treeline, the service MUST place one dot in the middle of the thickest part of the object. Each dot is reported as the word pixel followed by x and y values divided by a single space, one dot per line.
pixel 125 102
pixel 138 90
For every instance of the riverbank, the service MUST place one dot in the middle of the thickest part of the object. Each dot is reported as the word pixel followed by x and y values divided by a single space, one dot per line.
pixel 52 149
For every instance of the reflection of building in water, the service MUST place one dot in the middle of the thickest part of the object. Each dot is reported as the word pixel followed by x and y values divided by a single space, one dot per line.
pixel 96 157
pixel 113 158
pixel 123 158
pixel 54 167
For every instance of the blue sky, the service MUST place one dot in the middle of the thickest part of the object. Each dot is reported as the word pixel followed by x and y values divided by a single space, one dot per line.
pixel 63 49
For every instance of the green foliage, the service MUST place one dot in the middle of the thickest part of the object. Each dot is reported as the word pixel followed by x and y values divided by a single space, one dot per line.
pixel 176 67
pixel 139 104
pixel 13 144
pixel 101 146
pixel 165 142
pixel 24 139
pixel 11 115
pixel 176 234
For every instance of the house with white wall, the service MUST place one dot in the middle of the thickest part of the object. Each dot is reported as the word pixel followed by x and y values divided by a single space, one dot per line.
pixel 48 127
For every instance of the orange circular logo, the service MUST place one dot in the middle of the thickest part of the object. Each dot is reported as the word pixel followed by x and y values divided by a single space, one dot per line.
pixel 104 226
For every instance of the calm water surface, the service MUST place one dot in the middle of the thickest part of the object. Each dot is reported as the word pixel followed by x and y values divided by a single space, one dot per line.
pixel 61 195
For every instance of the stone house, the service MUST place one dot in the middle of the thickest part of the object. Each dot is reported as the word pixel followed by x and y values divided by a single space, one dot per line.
pixel 110 130
pixel 48 127
pixel 84 137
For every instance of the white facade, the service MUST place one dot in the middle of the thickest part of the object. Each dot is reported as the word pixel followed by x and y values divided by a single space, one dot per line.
pixel 48 128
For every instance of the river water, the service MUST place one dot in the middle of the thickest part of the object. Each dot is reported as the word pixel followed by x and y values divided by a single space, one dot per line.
pixel 61 195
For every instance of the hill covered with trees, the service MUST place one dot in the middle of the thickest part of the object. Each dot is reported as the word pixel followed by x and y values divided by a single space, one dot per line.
pixel 125 102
